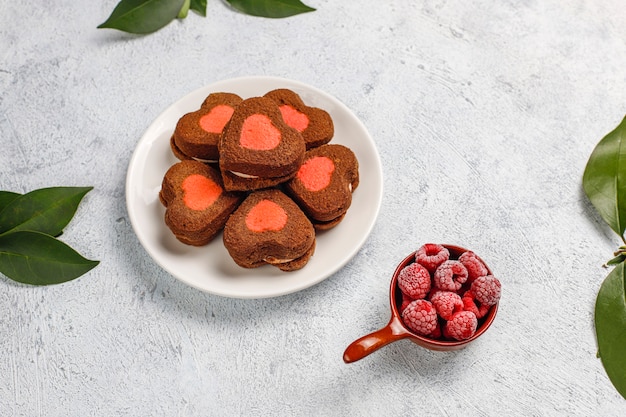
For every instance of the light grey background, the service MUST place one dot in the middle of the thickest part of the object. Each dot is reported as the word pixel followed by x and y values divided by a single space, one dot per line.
pixel 484 116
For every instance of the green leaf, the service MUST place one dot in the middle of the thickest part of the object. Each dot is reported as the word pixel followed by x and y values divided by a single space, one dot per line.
pixel 198 6
pixel 604 179
pixel 143 16
pixel 6 197
pixel 271 8
pixel 47 210
pixel 610 321
pixel 39 259
pixel 618 259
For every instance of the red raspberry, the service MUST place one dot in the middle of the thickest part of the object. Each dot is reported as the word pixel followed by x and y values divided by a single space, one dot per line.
pixel 414 281
pixel 475 266
pixel 446 303
pixel 421 317
pixel 461 326
pixel 486 290
pixel 450 276
pixel 436 334
pixel 406 300
pixel 431 255
pixel 469 304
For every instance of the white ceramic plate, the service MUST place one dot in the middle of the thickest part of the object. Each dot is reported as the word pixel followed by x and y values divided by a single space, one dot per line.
pixel 210 268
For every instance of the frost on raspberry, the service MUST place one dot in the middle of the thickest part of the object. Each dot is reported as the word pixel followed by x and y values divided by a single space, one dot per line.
pixel 421 317
pixel 446 303
pixel 450 276
pixel 414 281
pixel 475 266
pixel 487 290
pixel 435 334
pixel 461 326
pixel 431 255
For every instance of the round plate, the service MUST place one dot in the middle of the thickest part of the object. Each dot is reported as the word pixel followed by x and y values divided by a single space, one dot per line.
pixel 210 268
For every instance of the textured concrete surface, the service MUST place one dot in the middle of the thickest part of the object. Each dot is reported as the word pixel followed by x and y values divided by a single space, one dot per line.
pixel 484 117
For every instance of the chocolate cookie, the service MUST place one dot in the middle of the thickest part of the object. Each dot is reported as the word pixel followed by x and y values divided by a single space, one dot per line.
pixel 258 149
pixel 197 206
pixel 315 124
pixel 197 133
pixel 324 184
pixel 269 228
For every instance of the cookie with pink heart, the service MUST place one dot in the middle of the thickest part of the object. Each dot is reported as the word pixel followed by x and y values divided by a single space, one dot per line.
pixel 197 133
pixel 315 124
pixel 324 184
pixel 257 148
pixel 197 206
pixel 268 228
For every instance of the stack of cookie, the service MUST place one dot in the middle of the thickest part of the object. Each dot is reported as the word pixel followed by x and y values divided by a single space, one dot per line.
pixel 261 170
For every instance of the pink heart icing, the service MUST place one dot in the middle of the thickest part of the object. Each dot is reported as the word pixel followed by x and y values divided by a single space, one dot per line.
pixel 316 173
pixel 266 216
pixel 215 120
pixel 200 192
pixel 259 133
pixel 294 118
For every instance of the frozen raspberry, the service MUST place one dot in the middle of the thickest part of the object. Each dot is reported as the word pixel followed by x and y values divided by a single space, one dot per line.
pixel 431 255
pixel 469 304
pixel 475 266
pixel 406 300
pixel 436 334
pixel 421 317
pixel 486 290
pixel 450 276
pixel 414 281
pixel 461 326
pixel 446 303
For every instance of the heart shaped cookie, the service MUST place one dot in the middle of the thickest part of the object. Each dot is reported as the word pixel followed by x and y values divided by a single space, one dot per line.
pixel 269 228
pixel 197 206
pixel 197 133
pixel 258 149
pixel 315 124
pixel 324 184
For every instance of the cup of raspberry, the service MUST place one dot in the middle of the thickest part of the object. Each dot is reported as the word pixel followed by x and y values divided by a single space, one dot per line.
pixel 442 298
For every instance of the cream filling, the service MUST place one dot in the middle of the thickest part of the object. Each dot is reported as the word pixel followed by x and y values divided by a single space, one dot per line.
pixel 206 161
pixel 275 261
pixel 242 175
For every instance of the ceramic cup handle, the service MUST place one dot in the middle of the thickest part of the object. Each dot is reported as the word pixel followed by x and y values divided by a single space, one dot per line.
pixel 370 343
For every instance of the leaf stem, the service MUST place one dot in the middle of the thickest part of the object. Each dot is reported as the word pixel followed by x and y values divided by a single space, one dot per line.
pixel 185 10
